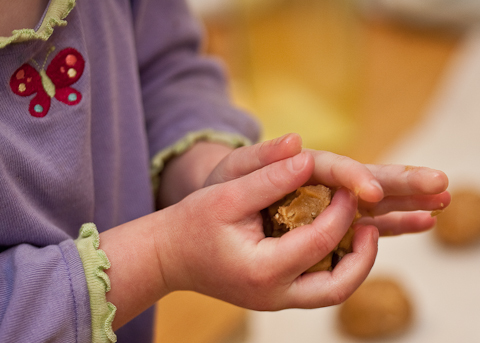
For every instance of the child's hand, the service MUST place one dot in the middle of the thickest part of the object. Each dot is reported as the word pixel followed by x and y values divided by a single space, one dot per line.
pixel 394 198
pixel 390 196
pixel 244 160
pixel 214 242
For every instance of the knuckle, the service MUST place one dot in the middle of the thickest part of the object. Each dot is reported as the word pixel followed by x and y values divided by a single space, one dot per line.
pixel 338 165
pixel 278 174
pixel 228 165
pixel 270 177
pixel 262 146
pixel 220 203
pixel 324 239
pixel 261 153
pixel 260 279
pixel 338 296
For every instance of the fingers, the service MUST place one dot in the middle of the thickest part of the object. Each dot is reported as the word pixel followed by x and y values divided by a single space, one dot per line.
pixel 372 182
pixel 340 171
pixel 322 289
pixel 303 247
pixel 253 192
pixel 407 180
pixel 407 203
pixel 244 160
pixel 398 223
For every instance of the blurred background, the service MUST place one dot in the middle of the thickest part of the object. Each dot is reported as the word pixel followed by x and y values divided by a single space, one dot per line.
pixel 381 81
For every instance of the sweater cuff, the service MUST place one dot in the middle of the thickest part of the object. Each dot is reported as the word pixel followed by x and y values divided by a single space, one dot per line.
pixel 160 159
pixel 55 15
pixel 95 261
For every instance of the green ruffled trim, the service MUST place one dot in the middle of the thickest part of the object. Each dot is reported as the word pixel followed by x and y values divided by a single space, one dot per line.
pixel 95 261
pixel 57 11
pixel 159 160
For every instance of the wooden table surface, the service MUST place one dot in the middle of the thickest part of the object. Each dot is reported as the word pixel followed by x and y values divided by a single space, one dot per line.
pixel 400 69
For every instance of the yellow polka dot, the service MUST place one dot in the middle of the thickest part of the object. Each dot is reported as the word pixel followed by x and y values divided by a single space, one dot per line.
pixel 22 88
pixel 71 73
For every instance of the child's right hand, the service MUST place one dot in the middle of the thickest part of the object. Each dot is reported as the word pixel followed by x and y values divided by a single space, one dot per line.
pixel 214 243
pixel 226 255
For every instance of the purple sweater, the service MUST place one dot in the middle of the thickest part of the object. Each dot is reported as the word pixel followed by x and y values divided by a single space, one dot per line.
pixel 128 82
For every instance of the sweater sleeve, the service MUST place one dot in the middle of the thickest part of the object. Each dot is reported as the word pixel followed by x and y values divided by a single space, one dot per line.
pixel 43 295
pixel 183 91
pixel 59 290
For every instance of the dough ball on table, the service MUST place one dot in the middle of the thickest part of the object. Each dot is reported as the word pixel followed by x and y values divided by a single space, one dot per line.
pixel 380 307
pixel 301 208
pixel 459 223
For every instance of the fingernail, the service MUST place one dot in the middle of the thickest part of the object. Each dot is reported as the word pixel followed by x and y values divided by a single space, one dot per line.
pixel 287 138
pixel 298 162
pixel 279 140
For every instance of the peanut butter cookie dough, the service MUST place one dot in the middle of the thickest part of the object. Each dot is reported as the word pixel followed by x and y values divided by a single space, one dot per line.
pixel 459 224
pixel 301 208
pixel 380 307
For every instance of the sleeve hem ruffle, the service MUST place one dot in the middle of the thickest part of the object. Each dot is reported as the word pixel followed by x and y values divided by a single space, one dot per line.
pixel 182 145
pixel 95 261
pixel 57 11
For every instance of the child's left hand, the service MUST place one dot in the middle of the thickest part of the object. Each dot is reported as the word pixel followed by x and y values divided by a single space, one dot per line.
pixel 396 199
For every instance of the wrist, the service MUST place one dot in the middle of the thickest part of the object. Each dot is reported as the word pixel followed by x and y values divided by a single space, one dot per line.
pixel 169 243
pixel 135 274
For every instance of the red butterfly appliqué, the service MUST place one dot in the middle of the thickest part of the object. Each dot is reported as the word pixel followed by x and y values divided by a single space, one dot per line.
pixel 64 70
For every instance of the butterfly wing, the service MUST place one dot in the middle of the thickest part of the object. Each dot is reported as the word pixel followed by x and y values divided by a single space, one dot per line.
pixel 25 81
pixel 40 104
pixel 68 95
pixel 64 70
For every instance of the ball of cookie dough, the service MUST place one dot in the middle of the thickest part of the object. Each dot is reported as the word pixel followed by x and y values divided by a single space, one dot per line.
pixel 301 208
pixel 380 307
pixel 459 224
pixel 295 209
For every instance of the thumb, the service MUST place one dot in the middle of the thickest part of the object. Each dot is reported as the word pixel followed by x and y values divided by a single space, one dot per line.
pixel 247 159
pixel 261 188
